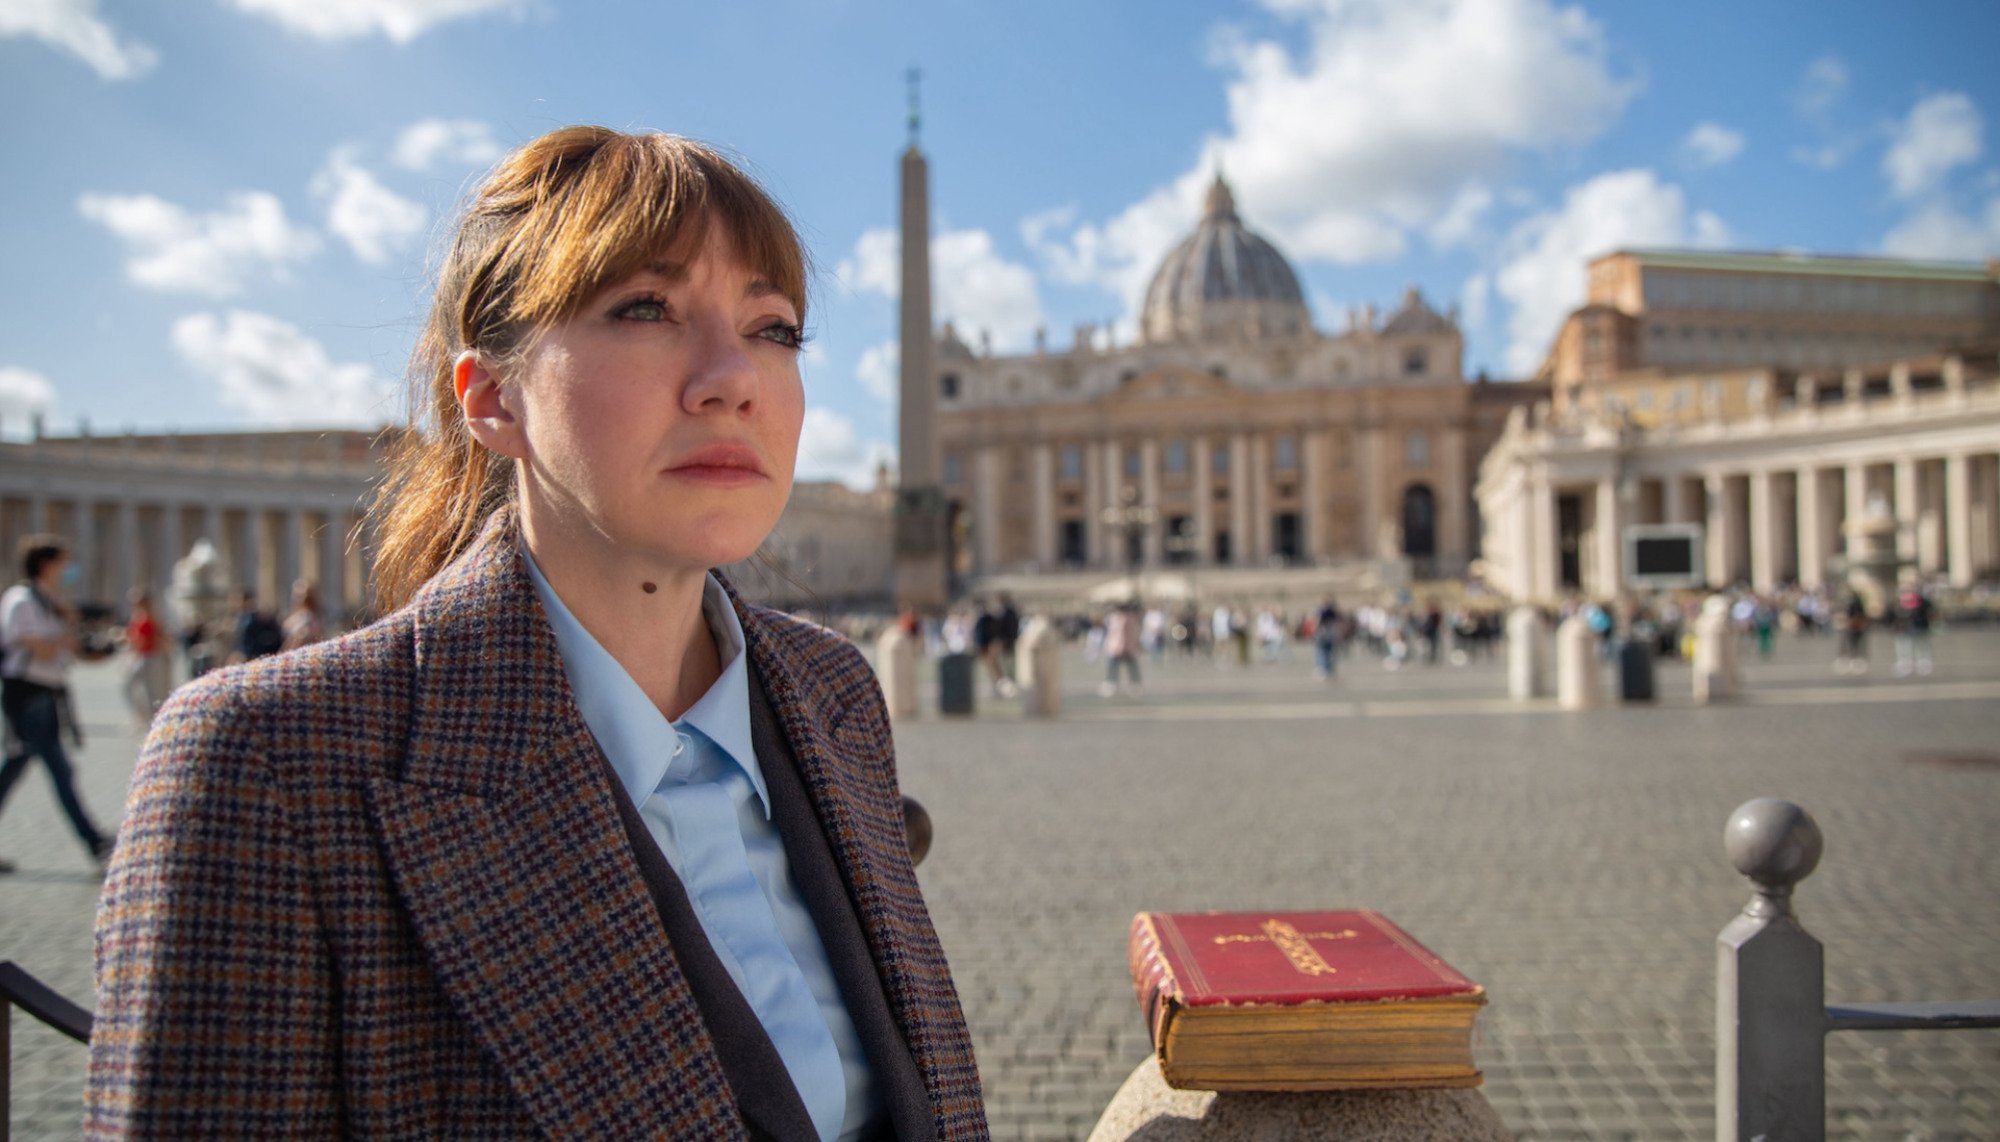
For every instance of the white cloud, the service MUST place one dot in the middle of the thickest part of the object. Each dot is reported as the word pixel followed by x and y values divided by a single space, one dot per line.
pixel 399 20
pixel 1941 134
pixel 1475 301
pixel 1822 85
pixel 874 266
pixel 831 449
pixel 1711 145
pixel 878 371
pixel 1940 232
pixel 464 142
pixel 1461 221
pixel 373 220
pixel 1372 131
pixel 24 394
pixel 972 285
pixel 278 374
pixel 73 26
pixel 1543 277
pixel 172 249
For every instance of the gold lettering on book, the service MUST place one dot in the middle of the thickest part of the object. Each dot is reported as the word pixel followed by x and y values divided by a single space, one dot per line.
pixel 1296 945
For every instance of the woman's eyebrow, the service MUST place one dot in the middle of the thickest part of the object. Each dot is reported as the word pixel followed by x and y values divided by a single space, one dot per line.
pixel 760 288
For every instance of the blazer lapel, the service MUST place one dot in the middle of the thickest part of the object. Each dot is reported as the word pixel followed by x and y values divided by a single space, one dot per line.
pixel 504 838
pixel 825 892
pixel 820 691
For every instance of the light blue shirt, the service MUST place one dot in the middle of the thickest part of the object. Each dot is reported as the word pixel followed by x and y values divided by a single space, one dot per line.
pixel 697 785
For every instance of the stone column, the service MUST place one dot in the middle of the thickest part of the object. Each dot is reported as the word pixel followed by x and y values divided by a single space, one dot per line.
pixel 1716 528
pixel 1518 527
pixel 1930 525
pixel 1673 499
pixel 1958 520
pixel 1812 539
pixel 130 570
pixel 333 568
pixel 1452 496
pixel 1371 494
pixel 1610 559
pixel 1093 504
pixel 1854 493
pixel 1763 533
pixel 264 541
pixel 1149 496
pixel 1260 498
pixel 83 521
pixel 292 560
pixel 38 512
pixel 1542 555
pixel 170 544
pixel 1907 510
pixel 1043 462
pixel 1315 445
pixel 1114 497
pixel 1239 500
pixel 1204 501
pixel 986 508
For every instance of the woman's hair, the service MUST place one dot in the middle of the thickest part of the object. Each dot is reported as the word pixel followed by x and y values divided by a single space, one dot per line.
pixel 566 215
pixel 38 551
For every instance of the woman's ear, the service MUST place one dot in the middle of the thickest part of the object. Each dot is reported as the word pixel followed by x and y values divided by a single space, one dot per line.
pixel 486 406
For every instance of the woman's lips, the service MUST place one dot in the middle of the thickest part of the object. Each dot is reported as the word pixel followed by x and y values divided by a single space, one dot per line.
pixel 719 464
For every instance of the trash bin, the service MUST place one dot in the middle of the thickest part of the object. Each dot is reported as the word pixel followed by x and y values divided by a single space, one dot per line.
pixel 955 684
pixel 1635 670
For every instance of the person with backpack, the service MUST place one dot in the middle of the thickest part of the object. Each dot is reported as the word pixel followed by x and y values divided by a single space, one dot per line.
pixel 257 633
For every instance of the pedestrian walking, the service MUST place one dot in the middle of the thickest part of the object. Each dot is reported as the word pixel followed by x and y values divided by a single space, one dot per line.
pixel 303 625
pixel 1913 631
pixel 38 632
pixel 1121 648
pixel 1852 657
pixel 1326 639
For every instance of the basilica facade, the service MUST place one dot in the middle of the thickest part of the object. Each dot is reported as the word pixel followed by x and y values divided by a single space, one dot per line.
pixel 1232 434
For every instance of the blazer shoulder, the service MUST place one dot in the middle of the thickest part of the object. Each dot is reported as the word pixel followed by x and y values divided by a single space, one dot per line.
pixel 329 699
pixel 832 674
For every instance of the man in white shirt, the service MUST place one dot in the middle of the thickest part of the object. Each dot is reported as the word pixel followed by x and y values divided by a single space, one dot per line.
pixel 38 637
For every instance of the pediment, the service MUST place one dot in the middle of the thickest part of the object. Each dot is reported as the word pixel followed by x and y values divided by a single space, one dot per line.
pixel 1172 382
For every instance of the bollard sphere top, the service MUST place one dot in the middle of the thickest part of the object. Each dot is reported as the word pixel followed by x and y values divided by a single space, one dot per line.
pixel 1773 842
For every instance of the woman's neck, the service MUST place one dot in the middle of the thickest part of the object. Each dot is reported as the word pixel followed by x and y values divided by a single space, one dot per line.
pixel 648 618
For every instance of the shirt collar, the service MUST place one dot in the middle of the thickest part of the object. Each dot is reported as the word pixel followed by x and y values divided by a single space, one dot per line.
pixel 637 739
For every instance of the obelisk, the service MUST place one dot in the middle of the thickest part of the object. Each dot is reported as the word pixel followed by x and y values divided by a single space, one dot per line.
pixel 921 513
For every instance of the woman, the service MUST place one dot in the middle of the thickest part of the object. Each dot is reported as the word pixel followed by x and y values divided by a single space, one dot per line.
pixel 572 842
pixel 38 641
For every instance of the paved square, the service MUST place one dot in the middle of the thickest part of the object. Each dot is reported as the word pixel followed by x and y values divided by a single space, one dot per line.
pixel 1571 862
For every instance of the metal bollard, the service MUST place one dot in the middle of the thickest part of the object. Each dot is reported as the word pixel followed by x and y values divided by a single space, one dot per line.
pixel 1770 985
pixel 1041 668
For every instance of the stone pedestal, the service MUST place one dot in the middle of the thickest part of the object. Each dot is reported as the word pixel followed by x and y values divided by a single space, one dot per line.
pixel 1715 677
pixel 1579 681
pixel 1040 664
pixel 1527 655
pixel 1146 1109
pixel 896 668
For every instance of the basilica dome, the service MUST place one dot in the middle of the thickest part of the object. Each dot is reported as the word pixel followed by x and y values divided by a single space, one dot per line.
pixel 1223 283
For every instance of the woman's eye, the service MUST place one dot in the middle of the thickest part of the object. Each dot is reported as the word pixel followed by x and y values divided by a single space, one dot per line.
pixel 642 309
pixel 784 333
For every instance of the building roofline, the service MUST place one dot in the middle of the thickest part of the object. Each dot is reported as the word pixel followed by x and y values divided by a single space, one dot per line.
pixel 1791 262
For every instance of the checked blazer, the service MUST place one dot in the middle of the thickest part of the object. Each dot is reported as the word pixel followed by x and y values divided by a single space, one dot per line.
pixel 384 887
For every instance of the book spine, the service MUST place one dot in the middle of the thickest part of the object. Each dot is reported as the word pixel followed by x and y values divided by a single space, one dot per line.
pixel 1152 978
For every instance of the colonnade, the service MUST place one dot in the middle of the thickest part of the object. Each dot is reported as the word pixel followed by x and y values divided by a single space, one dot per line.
pixel 1242 498
pixel 1769 524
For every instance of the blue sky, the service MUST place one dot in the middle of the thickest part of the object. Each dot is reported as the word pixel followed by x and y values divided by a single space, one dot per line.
pixel 222 213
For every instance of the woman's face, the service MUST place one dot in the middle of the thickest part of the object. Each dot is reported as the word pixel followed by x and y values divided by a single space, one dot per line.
pixel 659 425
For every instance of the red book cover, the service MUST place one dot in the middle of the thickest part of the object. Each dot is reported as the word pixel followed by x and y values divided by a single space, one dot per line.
pixel 1355 955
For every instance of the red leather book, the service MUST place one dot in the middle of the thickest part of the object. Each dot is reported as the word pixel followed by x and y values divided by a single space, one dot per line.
pixel 1300 1001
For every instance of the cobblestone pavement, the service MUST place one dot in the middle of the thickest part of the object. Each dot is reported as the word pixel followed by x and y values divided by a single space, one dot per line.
pixel 1571 862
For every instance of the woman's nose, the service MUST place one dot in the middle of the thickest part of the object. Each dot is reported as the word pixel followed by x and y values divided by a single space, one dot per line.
pixel 722 375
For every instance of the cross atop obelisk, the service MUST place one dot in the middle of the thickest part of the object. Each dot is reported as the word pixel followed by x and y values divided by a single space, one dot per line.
pixel 921 513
